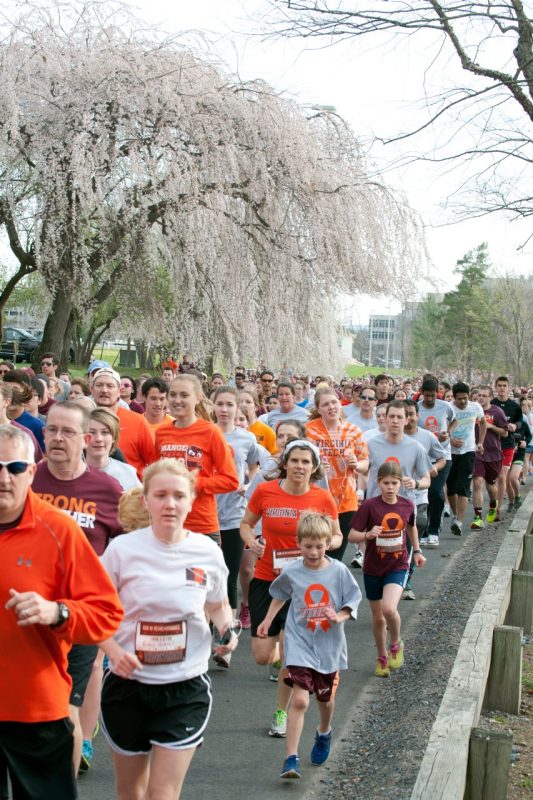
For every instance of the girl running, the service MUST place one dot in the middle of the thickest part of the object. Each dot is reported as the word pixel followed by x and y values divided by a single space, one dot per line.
pixel 382 523
pixel 195 441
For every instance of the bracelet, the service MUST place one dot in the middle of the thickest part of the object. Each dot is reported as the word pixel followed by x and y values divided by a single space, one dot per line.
pixel 415 552
pixel 366 538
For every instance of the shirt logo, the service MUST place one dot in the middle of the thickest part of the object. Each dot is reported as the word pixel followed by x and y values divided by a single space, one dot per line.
pixel 196 575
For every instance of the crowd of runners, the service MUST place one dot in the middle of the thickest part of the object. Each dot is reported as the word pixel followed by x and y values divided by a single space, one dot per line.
pixel 207 506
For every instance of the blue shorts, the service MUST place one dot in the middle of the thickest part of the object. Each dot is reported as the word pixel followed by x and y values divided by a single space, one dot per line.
pixel 374 584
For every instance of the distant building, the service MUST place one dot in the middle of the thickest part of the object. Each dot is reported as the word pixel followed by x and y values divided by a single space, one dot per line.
pixel 384 341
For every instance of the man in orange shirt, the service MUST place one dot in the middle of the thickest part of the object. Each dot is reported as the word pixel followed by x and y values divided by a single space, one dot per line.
pixel 54 593
pixel 155 393
pixel 135 439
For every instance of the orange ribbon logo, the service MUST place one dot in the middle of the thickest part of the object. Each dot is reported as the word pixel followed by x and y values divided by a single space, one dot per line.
pixel 313 612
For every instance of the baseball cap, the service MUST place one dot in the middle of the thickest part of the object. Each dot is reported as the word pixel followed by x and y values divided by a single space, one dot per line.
pixel 108 373
pixel 97 365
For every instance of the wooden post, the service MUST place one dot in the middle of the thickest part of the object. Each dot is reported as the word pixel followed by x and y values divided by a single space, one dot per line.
pixel 489 759
pixel 505 676
pixel 527 558
pixel 520 609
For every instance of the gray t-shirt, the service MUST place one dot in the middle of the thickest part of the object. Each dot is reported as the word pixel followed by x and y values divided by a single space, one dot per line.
pixel 246 453
pixel 310 640
pixel 437 420
pixel 434 449
pixel 409 453
pixel 125 474
pixel 277 415
pixel 353 415
pixel 466 426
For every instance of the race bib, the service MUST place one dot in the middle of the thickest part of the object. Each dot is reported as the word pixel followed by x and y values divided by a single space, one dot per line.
pixel 161 642
pixel 281 558
pixel 390 542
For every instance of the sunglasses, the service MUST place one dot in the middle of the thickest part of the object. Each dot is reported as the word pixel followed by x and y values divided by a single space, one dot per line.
pixel 15 467
pixel 47 363
pixel 366 397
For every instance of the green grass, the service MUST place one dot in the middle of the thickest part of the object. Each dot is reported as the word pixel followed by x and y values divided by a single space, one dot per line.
pixel 354 371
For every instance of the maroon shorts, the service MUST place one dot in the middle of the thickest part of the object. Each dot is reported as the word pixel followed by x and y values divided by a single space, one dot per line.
pixel 323 685
pixel 507 453
pixel 489 470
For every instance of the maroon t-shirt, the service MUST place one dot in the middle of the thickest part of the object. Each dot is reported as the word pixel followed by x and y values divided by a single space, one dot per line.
pixel 492 444
pixel 92 500
pixel 387 553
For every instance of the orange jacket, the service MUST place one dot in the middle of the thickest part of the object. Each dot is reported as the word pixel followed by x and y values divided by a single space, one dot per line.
pixel 135 439
pixel 201 446
pixel 264 435
pixel 49 554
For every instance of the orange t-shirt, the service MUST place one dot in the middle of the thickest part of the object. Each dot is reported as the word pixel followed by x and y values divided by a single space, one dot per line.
pixel 135 439
pixel 264 435
pixel 200 446
pixel 333 448
pixel 280 512
pixel 155 425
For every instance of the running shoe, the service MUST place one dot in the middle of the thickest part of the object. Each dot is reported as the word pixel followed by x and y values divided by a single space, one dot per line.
pixel 87 753
pixel 423 541
pixel 492 514
pixel 357 560
pixel 408 593
pixel 456 526
pixel 321 748
pixel 382 667
pixel 274 670
pixel 222 661
pixel 291 768
pixel 447 511
pixel 396 655
pixel 433 541
pixel 517 502
pixel 279 724
pixel 244 617
pixel 476 524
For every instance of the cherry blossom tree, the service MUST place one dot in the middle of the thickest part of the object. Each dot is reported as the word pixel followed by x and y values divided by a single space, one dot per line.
pixel 125 157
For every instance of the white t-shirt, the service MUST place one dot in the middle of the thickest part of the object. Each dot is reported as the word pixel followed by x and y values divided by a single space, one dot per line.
pixel 466 426
pixel 437 420
pixel 125 474
pixel 165 587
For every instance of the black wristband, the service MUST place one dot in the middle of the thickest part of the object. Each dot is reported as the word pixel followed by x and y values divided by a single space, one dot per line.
pixel 417 551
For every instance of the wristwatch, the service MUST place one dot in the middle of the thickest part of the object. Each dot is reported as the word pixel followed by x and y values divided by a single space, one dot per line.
pixel 417 551
pixel 417 485
pixel 64 615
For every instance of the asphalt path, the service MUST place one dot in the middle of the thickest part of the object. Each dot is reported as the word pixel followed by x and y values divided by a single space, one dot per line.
pixel 239 760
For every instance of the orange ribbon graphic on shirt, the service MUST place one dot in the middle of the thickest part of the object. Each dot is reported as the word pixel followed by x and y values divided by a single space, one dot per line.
pixel 391 524
pixel 314 612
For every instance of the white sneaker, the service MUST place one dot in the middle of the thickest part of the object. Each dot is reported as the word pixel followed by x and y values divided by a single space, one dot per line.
pixel 278 728
pixel 423 541
pixel 447 511
pixel 358 559
pixel 222 661
pixel 433 541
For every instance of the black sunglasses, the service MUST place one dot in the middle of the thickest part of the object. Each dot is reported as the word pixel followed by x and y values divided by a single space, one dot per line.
pixel 15 467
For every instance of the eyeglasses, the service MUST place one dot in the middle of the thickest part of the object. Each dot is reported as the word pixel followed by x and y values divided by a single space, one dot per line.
pixel 47 363
pixel 15 467
pixel 267 380
pixel 68 433
pixel 366 397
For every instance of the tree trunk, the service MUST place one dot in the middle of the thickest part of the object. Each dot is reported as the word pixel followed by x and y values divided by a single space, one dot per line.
pixel 58 330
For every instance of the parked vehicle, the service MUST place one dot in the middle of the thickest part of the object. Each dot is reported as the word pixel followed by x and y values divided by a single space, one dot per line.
pixel 18 344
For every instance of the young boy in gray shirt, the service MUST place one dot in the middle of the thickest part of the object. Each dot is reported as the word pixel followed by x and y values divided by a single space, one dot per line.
pixel 323 595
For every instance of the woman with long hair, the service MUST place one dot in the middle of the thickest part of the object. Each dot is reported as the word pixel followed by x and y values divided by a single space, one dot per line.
pixel 197 442
pixel 156 697
pixel 343 453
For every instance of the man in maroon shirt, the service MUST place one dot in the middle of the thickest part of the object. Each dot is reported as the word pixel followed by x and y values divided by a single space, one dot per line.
pixel 89 496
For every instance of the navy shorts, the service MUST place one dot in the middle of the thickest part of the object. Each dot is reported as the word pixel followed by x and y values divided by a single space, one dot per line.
pixel 374 584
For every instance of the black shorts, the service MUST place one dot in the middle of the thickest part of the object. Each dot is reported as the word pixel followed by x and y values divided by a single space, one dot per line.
pixel 39 759
pixel 80 665
pixel 460 476
pixel 259 599
pixel 136 716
